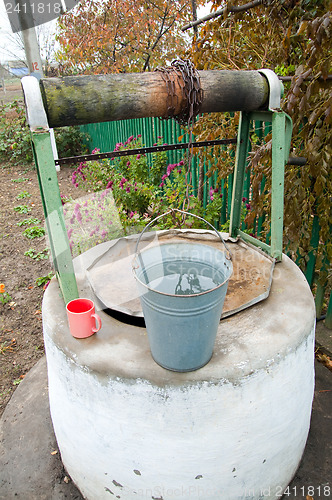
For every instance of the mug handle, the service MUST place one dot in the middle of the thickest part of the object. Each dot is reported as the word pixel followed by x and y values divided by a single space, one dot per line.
pixel 97 318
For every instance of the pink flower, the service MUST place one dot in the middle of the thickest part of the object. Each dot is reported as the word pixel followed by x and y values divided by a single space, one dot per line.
pixel 248 206
pixel 244 199
pixel 128 163
pixel 138 157
pixel 95 151
pixel 109 184
pixel 170 168
pixel 128 189
pixel 164 177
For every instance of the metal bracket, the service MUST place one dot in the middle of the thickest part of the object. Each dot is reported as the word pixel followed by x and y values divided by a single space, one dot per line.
pixel 275 86
pixel 49 188
pixel 36 113
pixel 281 142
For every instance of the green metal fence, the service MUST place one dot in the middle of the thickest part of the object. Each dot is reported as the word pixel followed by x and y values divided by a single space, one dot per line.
pixel 105 136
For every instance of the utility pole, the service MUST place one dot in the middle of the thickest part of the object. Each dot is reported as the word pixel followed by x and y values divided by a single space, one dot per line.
pixel 32 53
pixel 194 12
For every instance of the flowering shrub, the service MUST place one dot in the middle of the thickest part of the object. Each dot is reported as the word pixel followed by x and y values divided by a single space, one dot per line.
pixel 91 220
pixel 133 182
pixel 129 192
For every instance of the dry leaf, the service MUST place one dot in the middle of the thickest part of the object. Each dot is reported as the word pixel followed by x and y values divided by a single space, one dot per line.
pixel 54 452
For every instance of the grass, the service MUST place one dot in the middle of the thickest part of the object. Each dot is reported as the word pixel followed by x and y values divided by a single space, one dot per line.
pixel 23 194
pixel 22 209
pixel 34 232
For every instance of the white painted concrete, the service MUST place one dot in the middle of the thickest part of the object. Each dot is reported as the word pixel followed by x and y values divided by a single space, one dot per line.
pixel 233 430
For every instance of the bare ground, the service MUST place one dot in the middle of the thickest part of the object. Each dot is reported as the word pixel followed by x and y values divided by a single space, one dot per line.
pixel 21 338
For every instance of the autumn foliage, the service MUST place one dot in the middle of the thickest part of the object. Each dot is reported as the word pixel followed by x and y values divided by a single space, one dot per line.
pixel 121 35
pixel 293 38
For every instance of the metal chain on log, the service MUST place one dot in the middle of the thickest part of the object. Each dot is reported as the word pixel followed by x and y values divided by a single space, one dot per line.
pixel 187 77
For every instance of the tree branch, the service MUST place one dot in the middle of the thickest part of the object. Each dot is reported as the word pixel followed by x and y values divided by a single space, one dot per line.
pixel 220 12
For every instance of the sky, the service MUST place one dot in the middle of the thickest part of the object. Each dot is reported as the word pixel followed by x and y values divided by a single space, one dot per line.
pixel 9 49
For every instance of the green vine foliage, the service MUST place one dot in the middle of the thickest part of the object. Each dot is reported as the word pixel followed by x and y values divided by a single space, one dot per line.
pixel 291 37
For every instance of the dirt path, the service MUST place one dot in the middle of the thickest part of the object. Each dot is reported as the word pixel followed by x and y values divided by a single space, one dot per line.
pixel 21 338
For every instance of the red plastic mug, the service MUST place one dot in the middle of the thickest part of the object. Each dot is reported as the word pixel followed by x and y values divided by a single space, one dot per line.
pixel 82 318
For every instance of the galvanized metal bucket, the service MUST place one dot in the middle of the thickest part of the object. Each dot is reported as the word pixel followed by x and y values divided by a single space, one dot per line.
pixel 182 288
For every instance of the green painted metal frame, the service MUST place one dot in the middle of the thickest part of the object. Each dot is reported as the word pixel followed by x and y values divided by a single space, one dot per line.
pixel 51 198
pixel 281 141
pixel 49 188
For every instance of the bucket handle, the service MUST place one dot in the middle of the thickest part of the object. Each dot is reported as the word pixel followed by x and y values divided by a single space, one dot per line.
pixel 228 254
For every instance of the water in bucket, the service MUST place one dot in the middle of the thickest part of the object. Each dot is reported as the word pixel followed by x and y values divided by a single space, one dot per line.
pixel 182 289
pixel 187 278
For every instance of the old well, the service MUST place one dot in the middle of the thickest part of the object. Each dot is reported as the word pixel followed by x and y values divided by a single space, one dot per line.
pixel 234 429
pixel 127 428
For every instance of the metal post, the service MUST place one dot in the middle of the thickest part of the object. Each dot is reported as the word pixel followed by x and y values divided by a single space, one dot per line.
pixel 242 150
pixel 49 188
pixel 56 228
pixel 278 174
pixel 328 320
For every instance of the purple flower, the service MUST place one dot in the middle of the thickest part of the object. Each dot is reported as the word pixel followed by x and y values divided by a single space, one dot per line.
pixel 248 206
pixel 169 169
pixel 128 189
pixel 103 233
pixel 109 184
pixel 244 199
pixel 69 233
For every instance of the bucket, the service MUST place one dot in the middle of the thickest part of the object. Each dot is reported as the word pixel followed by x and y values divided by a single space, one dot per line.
pixel 182 288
